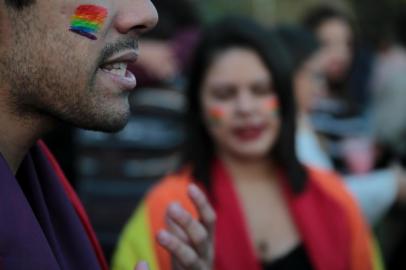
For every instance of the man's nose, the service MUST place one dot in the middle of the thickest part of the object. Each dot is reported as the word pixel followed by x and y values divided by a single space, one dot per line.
pixel 135 16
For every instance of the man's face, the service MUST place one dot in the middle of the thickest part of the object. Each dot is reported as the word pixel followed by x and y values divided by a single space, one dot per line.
pixel 53 71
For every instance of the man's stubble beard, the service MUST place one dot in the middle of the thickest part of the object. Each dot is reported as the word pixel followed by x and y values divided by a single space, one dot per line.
pixel 46 79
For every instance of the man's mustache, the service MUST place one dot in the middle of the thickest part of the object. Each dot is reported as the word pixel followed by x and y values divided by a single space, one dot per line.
pixel 114 48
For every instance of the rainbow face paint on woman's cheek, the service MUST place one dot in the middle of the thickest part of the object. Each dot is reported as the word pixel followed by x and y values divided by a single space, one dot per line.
pixel 216 115
pixel 88 20
pixel 272 105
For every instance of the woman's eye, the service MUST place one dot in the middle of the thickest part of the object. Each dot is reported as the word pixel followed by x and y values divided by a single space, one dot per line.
pixel 262 89
pixel 223 93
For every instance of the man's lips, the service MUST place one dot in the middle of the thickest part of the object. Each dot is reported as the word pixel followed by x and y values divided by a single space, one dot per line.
pixel 127 56
pixel 116 68
pixel 249 133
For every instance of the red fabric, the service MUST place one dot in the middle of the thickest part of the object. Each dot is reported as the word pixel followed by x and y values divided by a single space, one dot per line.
pixel 320 220
pixel 233 246
pixel 323 226
pixel 327 218
pixel 77 205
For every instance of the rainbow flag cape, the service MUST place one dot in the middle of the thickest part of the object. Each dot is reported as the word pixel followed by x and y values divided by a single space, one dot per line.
pixel 330 224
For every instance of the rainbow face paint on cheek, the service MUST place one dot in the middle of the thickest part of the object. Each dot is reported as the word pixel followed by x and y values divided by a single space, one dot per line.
pixel 88 20
pixel 216 115
pixel 272 105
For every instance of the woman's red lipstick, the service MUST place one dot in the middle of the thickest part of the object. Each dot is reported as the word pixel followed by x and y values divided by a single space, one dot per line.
pixel 249 133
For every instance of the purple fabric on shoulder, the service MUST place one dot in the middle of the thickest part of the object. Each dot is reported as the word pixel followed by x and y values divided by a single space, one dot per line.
pixel 39 228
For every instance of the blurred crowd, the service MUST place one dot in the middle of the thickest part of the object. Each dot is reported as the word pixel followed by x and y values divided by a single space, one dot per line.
pixel 349 91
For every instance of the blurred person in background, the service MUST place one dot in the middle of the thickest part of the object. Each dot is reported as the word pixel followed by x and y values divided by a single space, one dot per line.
pixel 375 191
pixel 168 47
pixel 272 212
pixel 341 118
pixel 388 87
pixel 388 92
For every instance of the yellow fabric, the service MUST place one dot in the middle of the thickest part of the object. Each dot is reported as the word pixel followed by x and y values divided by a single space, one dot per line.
pixel 136 243
pixel 377 256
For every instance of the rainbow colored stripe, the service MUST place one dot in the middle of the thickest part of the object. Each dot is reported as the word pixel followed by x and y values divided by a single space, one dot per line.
pixel 88 20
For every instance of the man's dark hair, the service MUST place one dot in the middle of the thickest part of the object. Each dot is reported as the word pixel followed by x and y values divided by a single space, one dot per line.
pixel 242 33
pixel 19 4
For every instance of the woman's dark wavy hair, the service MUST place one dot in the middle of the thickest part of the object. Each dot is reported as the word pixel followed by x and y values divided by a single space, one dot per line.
pixel 354 81
pixel 322 13
pixel 300 43
pixel 241 33
pixel 19 4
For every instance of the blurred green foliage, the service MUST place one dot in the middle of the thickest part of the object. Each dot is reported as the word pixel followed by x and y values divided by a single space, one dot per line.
pixel 212 9
pixel 375 18
pixel 266 11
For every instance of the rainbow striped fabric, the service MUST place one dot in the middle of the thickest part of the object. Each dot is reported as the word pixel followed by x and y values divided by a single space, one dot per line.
pixel 331 226
pixel 88 20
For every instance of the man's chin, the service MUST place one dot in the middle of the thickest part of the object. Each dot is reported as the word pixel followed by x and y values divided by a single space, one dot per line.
pixel 106 125
pixel 109 127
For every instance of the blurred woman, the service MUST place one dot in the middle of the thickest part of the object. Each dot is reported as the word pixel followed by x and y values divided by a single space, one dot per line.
pixel 341 117
pixel 375 191
pixel 272 212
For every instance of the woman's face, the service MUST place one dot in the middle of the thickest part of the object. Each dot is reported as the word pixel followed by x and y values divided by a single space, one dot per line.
pixel 310 82
pixel 336 38
pixel 239 105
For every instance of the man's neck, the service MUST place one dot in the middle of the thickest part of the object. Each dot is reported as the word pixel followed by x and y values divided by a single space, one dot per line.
pixel 18 135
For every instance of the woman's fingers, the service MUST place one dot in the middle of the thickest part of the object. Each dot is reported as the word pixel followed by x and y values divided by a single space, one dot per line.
pixel 194 230
pixel 183 253
pixel 174 228
pixel 201 202
pixel 142 266
pixel 190 241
